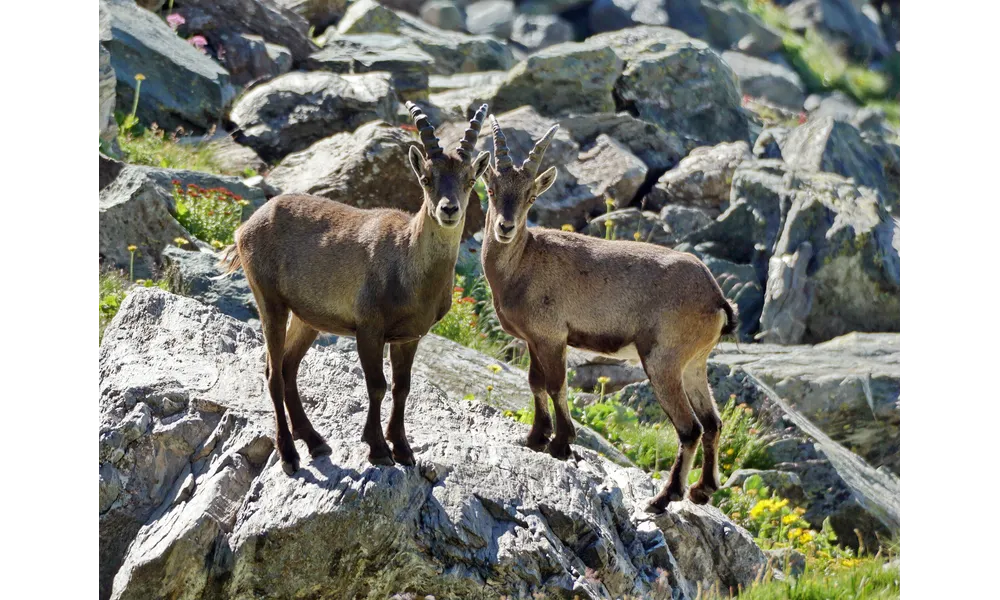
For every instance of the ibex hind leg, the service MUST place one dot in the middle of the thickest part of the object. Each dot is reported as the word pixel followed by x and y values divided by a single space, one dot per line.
pixel 700 396
pixel 401 356
pixel 298 340
pixel 273 317
pixel 665 369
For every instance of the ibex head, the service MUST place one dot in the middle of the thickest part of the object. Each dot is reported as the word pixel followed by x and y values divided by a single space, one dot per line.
pixel 512 190
pixel 447 181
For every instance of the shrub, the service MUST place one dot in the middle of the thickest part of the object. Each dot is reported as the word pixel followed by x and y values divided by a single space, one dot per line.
pixel 211 215
pixel 459 324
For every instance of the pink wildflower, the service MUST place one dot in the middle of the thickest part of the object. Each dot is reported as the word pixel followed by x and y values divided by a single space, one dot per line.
pixel 198 41
pixel 175 20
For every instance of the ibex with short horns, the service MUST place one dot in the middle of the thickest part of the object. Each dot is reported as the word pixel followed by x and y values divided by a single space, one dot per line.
pixel 626 299
pixel 380 275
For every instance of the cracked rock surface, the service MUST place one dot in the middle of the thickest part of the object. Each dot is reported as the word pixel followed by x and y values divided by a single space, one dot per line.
pixel 193 504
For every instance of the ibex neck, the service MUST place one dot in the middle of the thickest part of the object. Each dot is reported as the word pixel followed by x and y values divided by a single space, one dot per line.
pixel 435 247
pixel 501 261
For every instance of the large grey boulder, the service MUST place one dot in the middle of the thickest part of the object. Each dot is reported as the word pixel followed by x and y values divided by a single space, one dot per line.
pixel 848 387
pixel 835 146
pixel 490 17
pixel 854 269
pixel 367 168
pixel 251 59
pixel 107 82
pixel 444 14
pixel 703 178
pixel 534 32
pixel 733 27
pixel 612 15
pixel 400 56
pixel 607 171
pixel 686 88
pixel 624 223
pixel 182 86
pixel 137 208
pixel 276 24
pixel 656 148
pixel 289 113
pixel 767 81
pixel 564 78
pixel 453 52
pixel 789 296
pixel 197 274
pixel 193 502
pixel 318 13
pixel 634 41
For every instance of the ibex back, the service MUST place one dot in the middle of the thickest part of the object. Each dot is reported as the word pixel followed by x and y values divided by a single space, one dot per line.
pixel 380 275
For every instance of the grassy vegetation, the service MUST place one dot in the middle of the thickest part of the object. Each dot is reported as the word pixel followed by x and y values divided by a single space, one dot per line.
pixel 822 69
pixel 472 322
pixel 211 215
pixel 112 287
pixel 868 578
pixel 153 147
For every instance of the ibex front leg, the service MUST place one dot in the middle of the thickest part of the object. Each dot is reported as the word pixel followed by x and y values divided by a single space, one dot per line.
pixel 370 347
pixel 401 357
pixel 541 428
pixel 553 356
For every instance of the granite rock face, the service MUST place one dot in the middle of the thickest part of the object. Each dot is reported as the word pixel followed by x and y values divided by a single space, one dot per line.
pixel 193 503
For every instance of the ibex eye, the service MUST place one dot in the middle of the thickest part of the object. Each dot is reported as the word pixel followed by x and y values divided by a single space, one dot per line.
pixel 425 181
pixel 532 199
pixel 472 183
pixel 489 191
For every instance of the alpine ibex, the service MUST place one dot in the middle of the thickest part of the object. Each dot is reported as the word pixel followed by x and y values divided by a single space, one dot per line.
pixel 380 275
pixel 627 299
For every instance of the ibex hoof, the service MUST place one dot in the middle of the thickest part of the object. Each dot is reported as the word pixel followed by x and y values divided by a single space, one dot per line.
pixel 406 459
pixel 538 444
pixel 658 505
pixel 381 460
pixel 559 450
pixel 699 494
pixel 290 466
pixel 322 449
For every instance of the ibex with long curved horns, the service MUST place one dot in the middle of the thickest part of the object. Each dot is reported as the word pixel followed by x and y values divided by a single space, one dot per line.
pixel 627 299
pixel 380 275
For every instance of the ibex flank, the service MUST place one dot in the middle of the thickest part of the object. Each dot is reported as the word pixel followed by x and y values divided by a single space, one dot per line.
pixel 380 275
pixel 555 289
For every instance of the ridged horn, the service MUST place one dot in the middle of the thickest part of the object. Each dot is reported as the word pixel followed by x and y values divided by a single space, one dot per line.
pixel 430 142
pixel 468 143
pixel 534 160
pixel 501 153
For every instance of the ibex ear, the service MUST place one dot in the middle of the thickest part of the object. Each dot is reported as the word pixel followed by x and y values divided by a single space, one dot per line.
pixel 481 163
pixel 545 180
pixel 417 161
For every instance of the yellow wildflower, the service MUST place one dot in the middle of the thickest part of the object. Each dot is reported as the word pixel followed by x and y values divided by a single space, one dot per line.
pixel 794 533
pixel 494 368
pixel 806 536
pixel 609 202
pixel 132 248
pixel 604 379
pixel 140 77
pixel 788 519
pixel 637 236
pixel 180 241
pixel 489 388
pixel 608 223
pixel 567 227
pixel 730 452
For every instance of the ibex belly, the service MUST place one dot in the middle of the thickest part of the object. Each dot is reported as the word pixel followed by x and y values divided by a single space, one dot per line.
pixel 607 345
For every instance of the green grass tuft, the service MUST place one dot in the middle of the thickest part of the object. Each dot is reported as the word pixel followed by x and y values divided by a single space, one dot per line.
pixel 112 287
pixel 153 147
